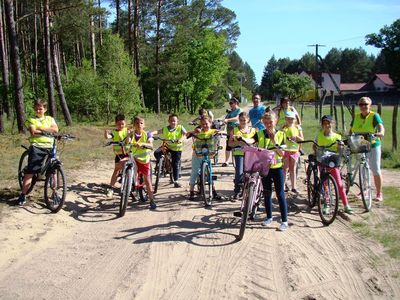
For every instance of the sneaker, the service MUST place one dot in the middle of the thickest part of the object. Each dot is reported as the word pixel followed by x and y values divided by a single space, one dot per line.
pixel 191 196
pixel 110 193
pixel 21 200
pixel 348 210
pixel 216 196
pixel 267 222
pixel 286 188
pixel 56 199
pixel 284 226
pixel 326 210
pixel 177 184
pixel 237 214
pixel 295 191
pixel 224 164
pixel 379 197
pixel 153 205
pixel 235 197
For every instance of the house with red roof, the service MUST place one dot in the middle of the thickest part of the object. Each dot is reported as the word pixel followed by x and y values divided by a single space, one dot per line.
pixel 379 83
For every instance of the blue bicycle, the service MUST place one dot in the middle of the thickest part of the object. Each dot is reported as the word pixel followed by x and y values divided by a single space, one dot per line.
pixel 206 148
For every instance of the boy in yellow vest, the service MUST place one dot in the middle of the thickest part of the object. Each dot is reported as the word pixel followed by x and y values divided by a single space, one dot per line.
pixel 173 132
pixel 119 134
pixel 140 138
pixel 41 145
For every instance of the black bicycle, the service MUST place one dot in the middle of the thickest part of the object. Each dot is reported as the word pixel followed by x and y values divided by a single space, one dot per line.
pixel 51 171
pixel 164 164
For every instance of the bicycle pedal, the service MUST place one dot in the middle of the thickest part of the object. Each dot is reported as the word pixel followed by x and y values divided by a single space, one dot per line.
pixel 214 177
pixel 237 214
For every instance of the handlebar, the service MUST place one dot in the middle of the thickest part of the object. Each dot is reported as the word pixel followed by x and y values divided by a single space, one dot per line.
pixel 275 147
pixel 165 140
pixel 59 136
pixel 320 146
pixel 122 144
pixel 209 138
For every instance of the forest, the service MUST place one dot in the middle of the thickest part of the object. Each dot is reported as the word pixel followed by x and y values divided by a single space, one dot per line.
pixel 91 59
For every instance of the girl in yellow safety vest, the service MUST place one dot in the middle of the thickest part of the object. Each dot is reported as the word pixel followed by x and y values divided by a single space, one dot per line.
pixel 246 132
pixel 204 132
pixel 270 138
pixel 294 133
pixel 172 132
pixel 139 138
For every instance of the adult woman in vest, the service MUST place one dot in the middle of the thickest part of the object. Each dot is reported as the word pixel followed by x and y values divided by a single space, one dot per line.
pixel 281 109
pixel 367 121
pixel 41 145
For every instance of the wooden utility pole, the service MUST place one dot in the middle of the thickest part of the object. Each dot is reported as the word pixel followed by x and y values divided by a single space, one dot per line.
pixel 316 70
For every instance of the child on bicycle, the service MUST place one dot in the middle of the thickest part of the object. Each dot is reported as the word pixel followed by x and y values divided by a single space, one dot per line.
pixel 294 134
pixel 119 134
pixel 326 137
pixel 242 131
pixel 271 138
pixel 141 139
pixel 172 132
pixel 204 132
pixel 41 145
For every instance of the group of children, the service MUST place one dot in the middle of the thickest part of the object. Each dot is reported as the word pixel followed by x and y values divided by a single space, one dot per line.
pixel 289 134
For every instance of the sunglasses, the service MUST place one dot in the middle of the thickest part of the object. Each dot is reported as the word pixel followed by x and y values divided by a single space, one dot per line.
pixel 363 104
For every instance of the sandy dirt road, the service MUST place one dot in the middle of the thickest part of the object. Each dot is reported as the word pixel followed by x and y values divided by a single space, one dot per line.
pixel 182 250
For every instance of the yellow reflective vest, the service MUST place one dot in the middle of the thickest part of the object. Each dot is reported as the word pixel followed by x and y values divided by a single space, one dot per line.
pixel 175 134
pixel 266 143
pixel 140 154
pixel 238 132
pixel 41 141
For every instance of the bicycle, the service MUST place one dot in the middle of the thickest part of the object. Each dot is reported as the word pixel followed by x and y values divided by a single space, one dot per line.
pixel 358 145
pixel 164 164
pixel 51 171
pixel 131 180
pixel 323 188
pixel 256 165
pixel 206 150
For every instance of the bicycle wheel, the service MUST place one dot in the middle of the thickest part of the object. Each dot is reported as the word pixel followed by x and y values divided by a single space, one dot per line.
pixel 328 199
pixel 364 175
pixel 159 168
pixel 55 188
pixel 23 163
pixel 126 192
pixel 248 195
pixel 312 184
pixel 142 190
pixel 206 183
pixel 344 175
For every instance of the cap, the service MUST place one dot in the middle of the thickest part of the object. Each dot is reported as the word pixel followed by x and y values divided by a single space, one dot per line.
pixel 326 118
pixel 290 114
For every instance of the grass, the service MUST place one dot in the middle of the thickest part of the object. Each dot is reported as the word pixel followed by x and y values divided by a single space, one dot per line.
pixel 384 230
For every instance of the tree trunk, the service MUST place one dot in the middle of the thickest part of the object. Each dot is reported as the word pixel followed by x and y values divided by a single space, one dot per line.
pixel 130 28
pixel 117 11
pixel 47 51
pixel 4 68
pixel 16 66
pixel 136 49
pixel 100 26
pixel 63 103
pixel 92 39
pixel 158 97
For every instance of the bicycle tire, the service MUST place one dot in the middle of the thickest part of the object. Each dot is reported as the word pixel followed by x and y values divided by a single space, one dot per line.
pixel 55 188
pixel 248 201
pixel 364 176
pixel 143 196
pixel 328 199
pixel 344 175
pixel 23 163
pixel 312 184
pixel 159 168
pixel 206 184
pixel 126 192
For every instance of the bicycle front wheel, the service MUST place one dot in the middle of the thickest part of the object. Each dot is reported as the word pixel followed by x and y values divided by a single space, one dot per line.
pixel 23 163
pixel 206 184
pixel 328 200
pixel 364 175
pixel 126 191
pixel 312 184
pixel 248 199
pixel 142 190
pixel 159 167
pixel 55 188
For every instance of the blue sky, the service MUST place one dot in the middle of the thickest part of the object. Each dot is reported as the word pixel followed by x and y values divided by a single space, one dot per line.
pixel 284 28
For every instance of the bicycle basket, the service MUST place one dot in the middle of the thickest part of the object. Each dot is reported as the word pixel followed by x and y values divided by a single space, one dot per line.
pixel 358 144
pixel 328 159
pixel 258 160
pixel 206 147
